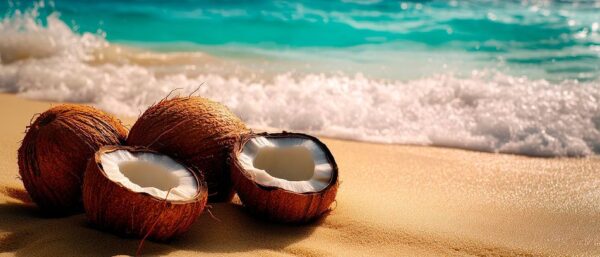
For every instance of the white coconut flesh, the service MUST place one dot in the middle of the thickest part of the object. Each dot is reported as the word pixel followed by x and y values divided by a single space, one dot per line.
pixel 150 173
pixel 292 163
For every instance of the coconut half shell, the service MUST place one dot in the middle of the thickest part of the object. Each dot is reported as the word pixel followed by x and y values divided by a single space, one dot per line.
pixel 197 131
pixel 117 202
pixel 55 151
pixel 299 181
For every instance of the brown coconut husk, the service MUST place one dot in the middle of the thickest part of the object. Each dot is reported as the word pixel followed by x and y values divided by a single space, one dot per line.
pixel 111 206
pixel 277 204
pixel 199 132
pixel 54 153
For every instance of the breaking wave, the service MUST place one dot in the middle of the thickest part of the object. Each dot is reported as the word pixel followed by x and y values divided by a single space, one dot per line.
pixel 485 111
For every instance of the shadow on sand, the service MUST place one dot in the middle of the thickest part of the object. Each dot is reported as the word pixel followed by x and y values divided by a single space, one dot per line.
pixel 29 233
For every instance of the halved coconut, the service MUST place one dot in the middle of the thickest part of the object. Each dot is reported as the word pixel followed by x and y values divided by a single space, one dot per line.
pixel 140 192
pixel 287 177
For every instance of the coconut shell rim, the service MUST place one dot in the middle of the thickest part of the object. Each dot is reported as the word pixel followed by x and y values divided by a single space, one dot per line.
pixel 247 137
pixel 202 187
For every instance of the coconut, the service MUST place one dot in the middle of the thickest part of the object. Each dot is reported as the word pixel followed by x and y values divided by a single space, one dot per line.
pixel 54 153
pixel 197 131
pixel 285 177
pixel 139 192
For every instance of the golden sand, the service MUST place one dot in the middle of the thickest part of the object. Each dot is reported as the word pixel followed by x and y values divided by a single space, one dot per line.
pixel 393 201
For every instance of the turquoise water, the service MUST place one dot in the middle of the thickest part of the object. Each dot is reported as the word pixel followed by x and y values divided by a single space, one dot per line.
pixel 554 40
pixel 519 77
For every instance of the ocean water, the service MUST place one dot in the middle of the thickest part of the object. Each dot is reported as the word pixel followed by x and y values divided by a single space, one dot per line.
pixel 518 77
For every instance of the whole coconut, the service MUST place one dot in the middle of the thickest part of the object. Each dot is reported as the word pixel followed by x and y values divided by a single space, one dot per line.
pixel 199 132
pixel 54 153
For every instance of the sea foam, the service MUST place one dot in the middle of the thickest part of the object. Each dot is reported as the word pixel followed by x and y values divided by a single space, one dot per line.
pixel 484 111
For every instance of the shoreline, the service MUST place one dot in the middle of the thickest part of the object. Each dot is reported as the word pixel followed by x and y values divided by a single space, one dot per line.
pixel 393 200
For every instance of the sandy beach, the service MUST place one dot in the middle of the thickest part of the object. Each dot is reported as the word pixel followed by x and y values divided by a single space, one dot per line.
pixel 394 200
